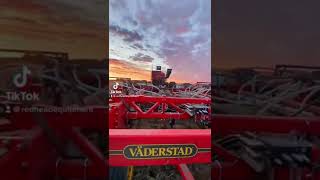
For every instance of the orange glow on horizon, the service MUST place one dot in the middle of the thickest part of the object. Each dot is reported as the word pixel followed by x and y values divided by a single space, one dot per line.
pixel 122 69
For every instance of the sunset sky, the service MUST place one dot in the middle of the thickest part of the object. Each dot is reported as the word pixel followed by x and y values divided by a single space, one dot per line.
pixel 172 34
pixel 265 33
pixel 75 27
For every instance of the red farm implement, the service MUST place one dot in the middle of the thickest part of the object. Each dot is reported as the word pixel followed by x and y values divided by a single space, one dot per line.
pixel 52 125
pixel 266 124
pixel 66 145
pixel 52 145
pixel 159 147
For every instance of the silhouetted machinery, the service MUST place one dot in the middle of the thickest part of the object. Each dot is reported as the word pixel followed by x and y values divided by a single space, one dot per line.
pixel 158 77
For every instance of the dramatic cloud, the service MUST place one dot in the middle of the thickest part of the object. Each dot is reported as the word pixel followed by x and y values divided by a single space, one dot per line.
pixel 128 36
pixel 138 46
pixel 75 27
pixel 142 58
pixel 172 34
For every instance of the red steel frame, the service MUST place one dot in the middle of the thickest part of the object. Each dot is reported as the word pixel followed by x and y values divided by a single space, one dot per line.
pixel 120 138
pixel 233 166
pixel 39 156
pixel 228 124
pixel 30 147
pixel 119 114
pixel 21 128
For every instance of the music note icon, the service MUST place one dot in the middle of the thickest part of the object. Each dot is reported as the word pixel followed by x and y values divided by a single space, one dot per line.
pixel 20 79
